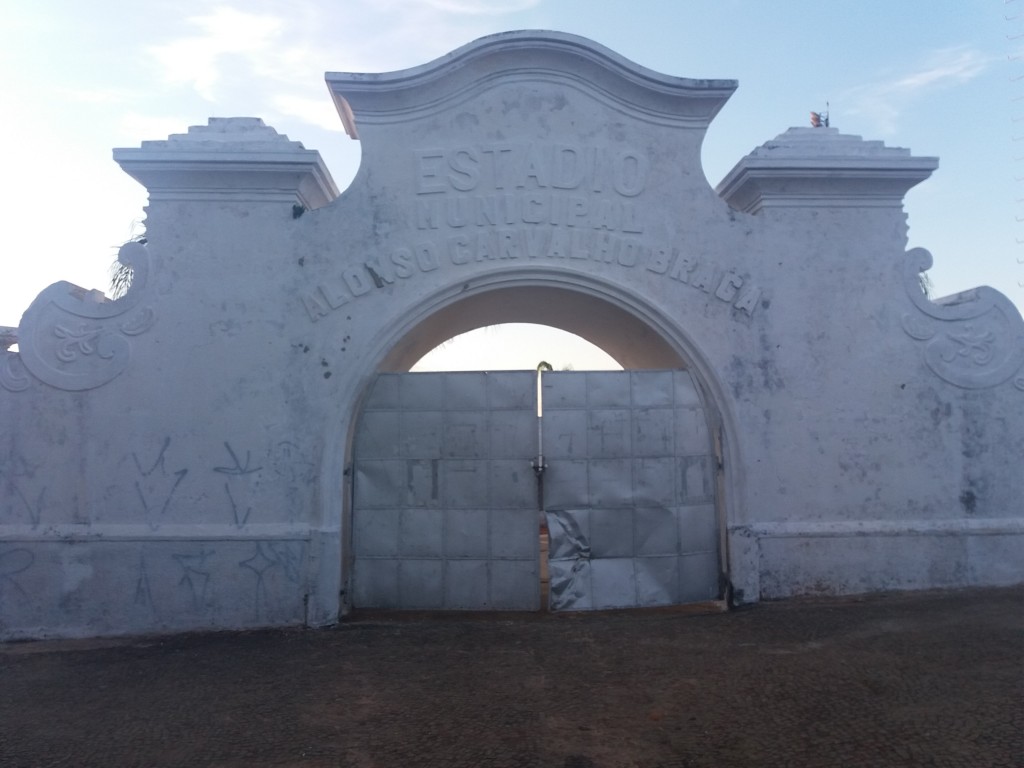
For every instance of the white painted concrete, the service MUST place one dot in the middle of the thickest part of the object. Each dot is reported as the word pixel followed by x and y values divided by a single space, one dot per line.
pixel 176 459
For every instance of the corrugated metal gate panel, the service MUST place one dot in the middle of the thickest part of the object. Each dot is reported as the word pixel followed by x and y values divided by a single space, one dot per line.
pixel 445 506
pixel 629 491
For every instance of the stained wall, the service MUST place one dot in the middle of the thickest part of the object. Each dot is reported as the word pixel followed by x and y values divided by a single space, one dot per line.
pixel 177 459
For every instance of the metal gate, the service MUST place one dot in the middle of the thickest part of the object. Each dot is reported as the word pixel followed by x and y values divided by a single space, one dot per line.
pixel 445 501
pixel 629 491
pixel 445 513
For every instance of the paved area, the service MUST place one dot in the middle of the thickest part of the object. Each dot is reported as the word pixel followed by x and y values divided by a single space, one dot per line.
pixel 928 679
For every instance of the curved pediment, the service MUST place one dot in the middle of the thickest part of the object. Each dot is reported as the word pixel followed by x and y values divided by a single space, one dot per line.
pixel 420 92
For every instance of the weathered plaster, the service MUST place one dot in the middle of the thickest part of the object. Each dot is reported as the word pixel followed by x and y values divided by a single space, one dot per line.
pixel 177 459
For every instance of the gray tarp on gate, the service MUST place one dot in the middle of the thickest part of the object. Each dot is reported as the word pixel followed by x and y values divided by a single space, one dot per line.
pixel 445 506
pixel 629 491
pixel 445 501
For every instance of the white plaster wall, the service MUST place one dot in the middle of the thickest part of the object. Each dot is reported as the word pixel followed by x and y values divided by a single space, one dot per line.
pixel 204 485
pixel 181 494
pixel 866 470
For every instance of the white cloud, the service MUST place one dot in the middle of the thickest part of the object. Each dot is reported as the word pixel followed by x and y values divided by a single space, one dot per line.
pixel 134 127
pixel 884 101
pixel 107 96
pixel 319 112
pixel 197 60
pixel 948 67
pixel 483 7
pixel 275 60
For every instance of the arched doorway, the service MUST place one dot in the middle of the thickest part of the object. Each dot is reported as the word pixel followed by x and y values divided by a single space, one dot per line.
pixel 444 495
pixel 589 311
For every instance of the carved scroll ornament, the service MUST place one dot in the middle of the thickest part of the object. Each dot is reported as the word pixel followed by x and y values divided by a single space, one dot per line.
pixel 74 339
pixel 973 339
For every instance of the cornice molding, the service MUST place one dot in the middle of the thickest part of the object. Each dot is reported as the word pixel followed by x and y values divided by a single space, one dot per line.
pixel 822 168
pixel 525 56
pixel 236 159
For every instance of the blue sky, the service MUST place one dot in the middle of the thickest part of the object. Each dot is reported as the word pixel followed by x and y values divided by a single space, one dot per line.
pixel 78 79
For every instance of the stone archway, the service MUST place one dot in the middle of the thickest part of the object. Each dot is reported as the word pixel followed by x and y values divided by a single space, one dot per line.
pixel 185 445
pixel 408 549
pixel 576 309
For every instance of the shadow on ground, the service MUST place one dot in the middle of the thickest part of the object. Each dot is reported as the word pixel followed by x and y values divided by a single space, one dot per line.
pixel 925 679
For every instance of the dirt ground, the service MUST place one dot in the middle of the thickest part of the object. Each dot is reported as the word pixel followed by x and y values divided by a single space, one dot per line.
pixel 925 679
